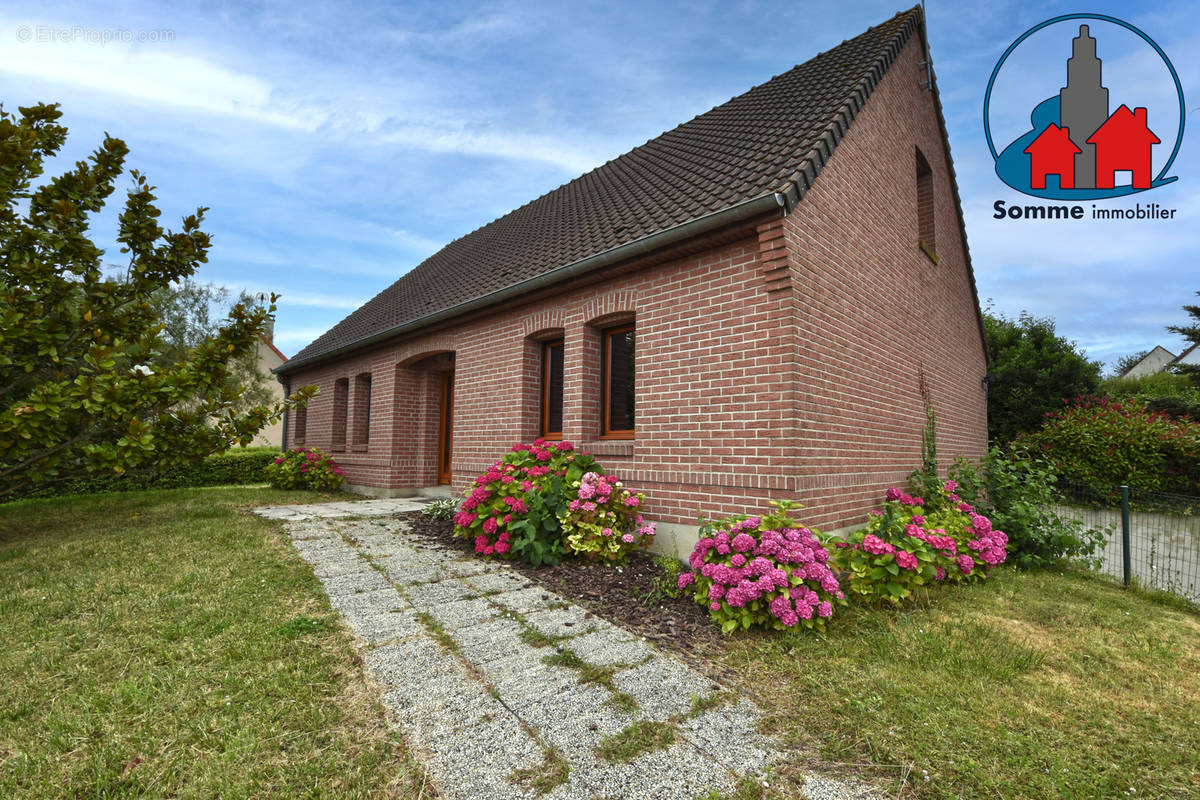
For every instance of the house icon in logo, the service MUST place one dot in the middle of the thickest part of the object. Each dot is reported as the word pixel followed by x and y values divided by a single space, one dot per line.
pixel 1088 147
pixel 1075 148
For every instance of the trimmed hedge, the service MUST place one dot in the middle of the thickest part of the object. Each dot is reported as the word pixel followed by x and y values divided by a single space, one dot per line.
pixel 231 468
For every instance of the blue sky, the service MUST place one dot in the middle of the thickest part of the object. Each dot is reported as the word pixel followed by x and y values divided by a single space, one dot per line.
pixel 338 145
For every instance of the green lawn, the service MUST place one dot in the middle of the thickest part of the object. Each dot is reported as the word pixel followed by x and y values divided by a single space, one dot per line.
pixel 1031 685
pixel 166 644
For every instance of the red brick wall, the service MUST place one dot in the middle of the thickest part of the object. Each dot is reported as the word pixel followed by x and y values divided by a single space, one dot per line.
pixel 782 365
pixel 875 313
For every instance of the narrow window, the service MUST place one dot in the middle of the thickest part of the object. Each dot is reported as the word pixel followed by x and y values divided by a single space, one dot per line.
pixel 299 424
pixel 617 382
pixel 552 389
pixel 362 409
pixel 925 208
pixel 341 392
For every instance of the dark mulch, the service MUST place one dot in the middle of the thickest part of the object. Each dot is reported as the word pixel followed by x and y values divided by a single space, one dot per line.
pixel 624 595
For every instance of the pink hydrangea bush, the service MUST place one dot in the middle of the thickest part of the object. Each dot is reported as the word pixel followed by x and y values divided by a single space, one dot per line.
pixel 305 468
pixel 603 521
pixel 770 571
pixel 909 544
pixel 512 510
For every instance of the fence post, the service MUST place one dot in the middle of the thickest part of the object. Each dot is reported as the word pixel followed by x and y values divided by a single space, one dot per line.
pixel 1125 559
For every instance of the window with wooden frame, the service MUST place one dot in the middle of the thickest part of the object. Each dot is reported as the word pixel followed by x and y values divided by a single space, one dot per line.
pixel 361 427
pixel 552 389
pixel 299 424
pixel 617 382
pixel 925 208
pixel 341 397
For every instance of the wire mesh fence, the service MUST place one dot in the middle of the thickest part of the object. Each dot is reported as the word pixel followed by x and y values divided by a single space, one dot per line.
pixel 1153 538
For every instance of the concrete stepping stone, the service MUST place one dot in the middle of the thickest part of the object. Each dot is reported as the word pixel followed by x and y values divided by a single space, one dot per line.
pixel 663 687
pixel 605 648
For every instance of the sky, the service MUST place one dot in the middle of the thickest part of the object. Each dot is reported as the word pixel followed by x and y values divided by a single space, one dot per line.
pixel 339 145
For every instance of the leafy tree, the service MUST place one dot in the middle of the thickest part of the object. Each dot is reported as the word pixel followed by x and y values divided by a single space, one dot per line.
pixel 1033 370
pixel 84 387
pixel 1192 334
pixel 187 310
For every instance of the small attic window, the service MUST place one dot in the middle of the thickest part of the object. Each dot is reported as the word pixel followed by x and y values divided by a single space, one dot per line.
pixel 925 208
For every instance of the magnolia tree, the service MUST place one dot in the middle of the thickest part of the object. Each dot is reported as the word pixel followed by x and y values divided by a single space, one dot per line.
pixel 83 386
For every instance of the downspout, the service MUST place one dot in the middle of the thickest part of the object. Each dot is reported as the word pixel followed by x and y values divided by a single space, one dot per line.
pixel 287 392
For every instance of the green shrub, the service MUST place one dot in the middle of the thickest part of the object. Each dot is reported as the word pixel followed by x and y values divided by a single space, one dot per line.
pixel 304 468
pixel 232 468
pixel 1104 442
pixel 1170 393
pixel 1018 493
pixel 440 509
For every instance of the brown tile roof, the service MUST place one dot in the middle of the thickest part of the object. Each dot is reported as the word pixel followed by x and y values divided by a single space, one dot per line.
pixel 775 136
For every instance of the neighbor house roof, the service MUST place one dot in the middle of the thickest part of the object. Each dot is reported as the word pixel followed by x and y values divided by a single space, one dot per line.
pixel 769 142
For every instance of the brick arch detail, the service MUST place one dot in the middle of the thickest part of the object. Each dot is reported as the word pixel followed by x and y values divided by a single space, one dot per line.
pixel 410 354
pixel 544 321
pixel 610 307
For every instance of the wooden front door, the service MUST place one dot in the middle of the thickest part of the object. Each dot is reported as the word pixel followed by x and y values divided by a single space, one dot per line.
pixel 446 428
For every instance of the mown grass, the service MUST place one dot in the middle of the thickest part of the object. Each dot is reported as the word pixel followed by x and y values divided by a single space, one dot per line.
pixel 1033 684
pixel 164 644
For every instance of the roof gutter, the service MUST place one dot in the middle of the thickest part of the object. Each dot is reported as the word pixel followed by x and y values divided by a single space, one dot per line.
pixel 708 223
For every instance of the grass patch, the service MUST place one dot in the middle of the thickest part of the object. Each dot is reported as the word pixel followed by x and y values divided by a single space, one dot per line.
pixel 643 736
pixel 302 626
pixel 622 703
pixel 439 633
pixel 535 638
pixel 593 673
pixel 708 702
pixel 588 673
pixel 1033 684
pixel 544 777
pixel 163 644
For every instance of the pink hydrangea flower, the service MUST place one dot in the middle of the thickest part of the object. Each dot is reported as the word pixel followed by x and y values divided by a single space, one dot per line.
pixel 906 560
pixel 742 543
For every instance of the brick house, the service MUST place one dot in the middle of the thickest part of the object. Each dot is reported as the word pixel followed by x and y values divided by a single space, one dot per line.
pixel 755 305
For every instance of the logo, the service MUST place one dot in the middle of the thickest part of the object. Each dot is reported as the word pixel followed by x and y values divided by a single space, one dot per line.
pixel 1093 132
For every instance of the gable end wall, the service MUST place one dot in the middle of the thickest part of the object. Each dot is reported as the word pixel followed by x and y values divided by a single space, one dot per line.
pixel 875 313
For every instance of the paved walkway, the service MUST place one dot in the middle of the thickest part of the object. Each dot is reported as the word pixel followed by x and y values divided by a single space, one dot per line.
pixel 453 642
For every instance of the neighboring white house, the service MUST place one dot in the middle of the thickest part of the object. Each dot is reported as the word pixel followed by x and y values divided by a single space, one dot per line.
pixel 269 358
pixel 1152 363
pixel 1190 356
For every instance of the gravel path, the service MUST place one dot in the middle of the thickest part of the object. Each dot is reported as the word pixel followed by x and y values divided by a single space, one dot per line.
pixel 506 690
